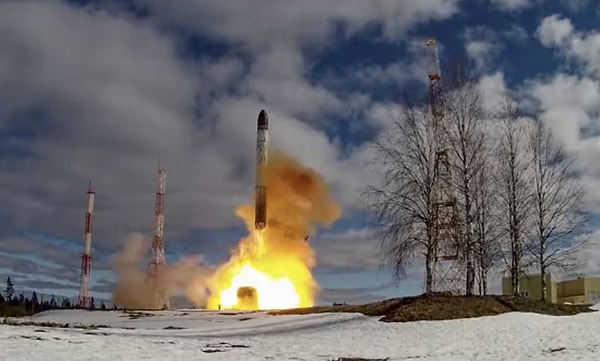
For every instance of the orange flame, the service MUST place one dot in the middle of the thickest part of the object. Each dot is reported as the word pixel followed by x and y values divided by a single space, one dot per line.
pixel 272 269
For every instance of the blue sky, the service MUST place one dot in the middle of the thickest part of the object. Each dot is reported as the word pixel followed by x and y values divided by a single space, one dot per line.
pixel 101 89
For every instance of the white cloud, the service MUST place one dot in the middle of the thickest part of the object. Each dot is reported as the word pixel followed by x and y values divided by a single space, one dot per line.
pixel 113 97
pixel 263 24
pixel 554 31
pixel 493 90
pixel 575 5
pixel 566 103
pixel 482 47
pixel 350 249
pixel 516 33
pixel 570 104
pixel 589 256
pixel 411 67
pixel 511 5
pixel 583 47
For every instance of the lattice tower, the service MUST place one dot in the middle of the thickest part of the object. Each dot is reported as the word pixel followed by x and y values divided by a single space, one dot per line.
pixel 84 299
pixel 161 299
pixel 448 273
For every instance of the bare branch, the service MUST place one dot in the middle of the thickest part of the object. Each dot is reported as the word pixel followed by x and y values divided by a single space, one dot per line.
pixel 557 203
pixel 466 121
pixel 513 193
pixel 400 207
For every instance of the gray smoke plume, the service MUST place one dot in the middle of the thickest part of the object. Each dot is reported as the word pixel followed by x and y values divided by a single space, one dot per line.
pixel 135 290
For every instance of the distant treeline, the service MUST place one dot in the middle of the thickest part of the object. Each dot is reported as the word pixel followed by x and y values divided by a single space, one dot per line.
pixel 13 305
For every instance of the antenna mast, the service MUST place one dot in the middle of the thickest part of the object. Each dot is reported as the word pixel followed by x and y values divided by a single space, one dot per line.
pixel 447 273
pixel 84 300
pixel 158 249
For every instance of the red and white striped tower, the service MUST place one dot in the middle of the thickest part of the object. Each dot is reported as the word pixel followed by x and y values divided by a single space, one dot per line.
pixel 86 258
pixel 158 248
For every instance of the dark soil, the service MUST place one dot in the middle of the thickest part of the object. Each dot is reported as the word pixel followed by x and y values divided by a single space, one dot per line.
pixel 443 307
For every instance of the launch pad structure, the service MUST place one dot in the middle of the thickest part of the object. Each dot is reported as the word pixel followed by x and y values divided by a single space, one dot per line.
pixel 448 267
pixel 84 299
pixel 161 298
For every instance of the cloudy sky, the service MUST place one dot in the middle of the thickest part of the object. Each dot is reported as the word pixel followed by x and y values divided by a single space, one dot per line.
pixel 101 89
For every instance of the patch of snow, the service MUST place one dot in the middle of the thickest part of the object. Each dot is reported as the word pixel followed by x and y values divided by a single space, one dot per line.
pixel 209 335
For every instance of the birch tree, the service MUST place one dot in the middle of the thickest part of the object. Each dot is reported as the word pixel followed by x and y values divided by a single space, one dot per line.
pixel 401 207
pixel 466 121
pixel 486 231
pixel 513 189
pixel 558 215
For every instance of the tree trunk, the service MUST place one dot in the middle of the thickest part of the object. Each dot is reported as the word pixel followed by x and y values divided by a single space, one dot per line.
pixel 543 275
pixel 428 272
pixel 470 269
pixel 514 272
pixel 484 282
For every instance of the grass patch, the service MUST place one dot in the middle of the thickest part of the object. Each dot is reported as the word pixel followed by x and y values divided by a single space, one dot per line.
pixel 443 307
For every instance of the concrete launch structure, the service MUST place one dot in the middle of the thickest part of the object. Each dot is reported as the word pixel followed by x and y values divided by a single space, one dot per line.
pixel 84 300
pixel 262 144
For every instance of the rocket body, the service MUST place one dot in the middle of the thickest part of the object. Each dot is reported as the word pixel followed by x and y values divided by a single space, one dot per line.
pixel 262 144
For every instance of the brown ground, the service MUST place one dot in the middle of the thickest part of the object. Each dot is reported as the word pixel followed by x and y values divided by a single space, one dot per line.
pixel 445 308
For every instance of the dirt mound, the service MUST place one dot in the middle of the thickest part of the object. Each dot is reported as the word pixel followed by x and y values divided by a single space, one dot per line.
pixel 444 307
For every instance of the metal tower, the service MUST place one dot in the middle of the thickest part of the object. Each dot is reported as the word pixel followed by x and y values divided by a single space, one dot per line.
pixel 84 300
pixel 158 249
pixel 447 265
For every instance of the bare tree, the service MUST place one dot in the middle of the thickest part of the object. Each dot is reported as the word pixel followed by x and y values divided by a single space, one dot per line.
pixel 513 190
pixel 557 199
pixel 466 121
pixel 402 205
pixel 486 231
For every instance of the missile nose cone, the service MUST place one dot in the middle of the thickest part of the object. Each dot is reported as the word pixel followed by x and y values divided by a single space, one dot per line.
pixel 263 119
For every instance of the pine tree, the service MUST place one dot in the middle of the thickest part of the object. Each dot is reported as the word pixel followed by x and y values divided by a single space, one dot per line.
pixel 35 303
pixel 92 304
pixel 53 303
pixel 66 303
pixel 9 292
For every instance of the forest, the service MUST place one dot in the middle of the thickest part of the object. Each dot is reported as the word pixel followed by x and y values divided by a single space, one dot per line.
pixel 17 305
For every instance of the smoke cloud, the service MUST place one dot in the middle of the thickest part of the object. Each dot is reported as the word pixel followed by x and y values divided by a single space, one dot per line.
pixel 135 290
pixel 298 200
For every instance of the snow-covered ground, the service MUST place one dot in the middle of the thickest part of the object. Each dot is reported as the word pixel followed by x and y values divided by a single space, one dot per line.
pixel 207 335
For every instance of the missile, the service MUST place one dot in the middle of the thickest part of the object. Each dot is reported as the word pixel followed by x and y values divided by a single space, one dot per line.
pixel 262 143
